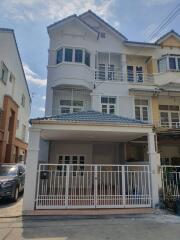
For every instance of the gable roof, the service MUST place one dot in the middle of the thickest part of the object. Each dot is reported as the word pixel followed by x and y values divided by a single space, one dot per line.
pixel 167 35
pixel 70 19
pixel 12 32
pixel 90 13
pixel 91 116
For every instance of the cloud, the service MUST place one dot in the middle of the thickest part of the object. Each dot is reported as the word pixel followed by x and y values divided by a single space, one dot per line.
pixel 53 10
pixel 157 2
pixel 43 97
pixel 33 78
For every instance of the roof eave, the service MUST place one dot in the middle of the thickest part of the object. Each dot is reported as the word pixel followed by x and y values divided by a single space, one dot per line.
pixel 93 123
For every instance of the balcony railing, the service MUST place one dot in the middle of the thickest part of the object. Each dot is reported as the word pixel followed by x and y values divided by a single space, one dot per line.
pixel 169 125
pixel 116 74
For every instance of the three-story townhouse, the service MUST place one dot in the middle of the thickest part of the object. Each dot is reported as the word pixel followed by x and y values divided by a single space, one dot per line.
pixel 15 101
pixel 96 147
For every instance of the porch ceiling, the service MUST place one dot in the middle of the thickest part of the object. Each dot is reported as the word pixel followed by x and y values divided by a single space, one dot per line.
pixel 77 135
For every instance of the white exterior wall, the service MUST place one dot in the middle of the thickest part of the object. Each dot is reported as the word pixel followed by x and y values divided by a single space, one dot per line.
pixel 9 55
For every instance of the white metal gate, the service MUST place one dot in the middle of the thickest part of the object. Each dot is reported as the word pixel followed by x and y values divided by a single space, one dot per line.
pixel 92 186
pixel 171 181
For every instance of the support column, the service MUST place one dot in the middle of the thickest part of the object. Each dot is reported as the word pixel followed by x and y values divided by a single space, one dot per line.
pixel 124 67
pixel 31 171
pixel 154 162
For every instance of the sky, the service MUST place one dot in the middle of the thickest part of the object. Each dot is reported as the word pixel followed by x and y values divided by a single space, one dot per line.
pixel 136 19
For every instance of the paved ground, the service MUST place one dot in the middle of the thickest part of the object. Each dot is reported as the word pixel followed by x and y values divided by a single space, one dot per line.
pixel 161 225
pixel 147 227
pixel 9 209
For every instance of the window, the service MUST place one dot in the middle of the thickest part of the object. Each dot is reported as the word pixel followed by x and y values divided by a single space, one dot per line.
pixel 103 35
pixel 139 74
pixel 73 55
pixel 169 116
pixel 17 124
pixel 77 167
pixel 87 58
pixel 1 116
pixel 59 58
pixel 23 100
pixel 69 106
pixel 68 54
pixel 162 65
pixel 111 72
pixel 108 105
pixel 3 73
pixel 170 62
pixel 130 74
pixel 23 132
pixel 12 78
pixel 142 109
pixel 78 55
pixel 102 72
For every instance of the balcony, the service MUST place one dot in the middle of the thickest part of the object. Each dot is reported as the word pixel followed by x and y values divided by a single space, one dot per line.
pixel 116 74
pixel 170 125
pixel 71 74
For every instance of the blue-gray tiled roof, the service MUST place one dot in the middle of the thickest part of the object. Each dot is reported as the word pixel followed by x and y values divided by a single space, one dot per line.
pixel 91 116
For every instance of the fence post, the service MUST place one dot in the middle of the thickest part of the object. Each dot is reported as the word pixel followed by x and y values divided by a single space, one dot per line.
pixel 95 185
pixel 67 186
pixel 124 184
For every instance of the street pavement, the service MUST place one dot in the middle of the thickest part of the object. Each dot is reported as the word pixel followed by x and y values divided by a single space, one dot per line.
pixel 161 225
pixel 141 227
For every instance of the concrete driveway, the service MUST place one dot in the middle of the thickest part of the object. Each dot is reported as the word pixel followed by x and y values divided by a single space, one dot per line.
pixel 10 209
pixel 147 227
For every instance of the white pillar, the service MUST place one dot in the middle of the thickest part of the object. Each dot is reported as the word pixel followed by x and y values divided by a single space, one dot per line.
pixel 31 171
pixel 154 162
pixel 124 67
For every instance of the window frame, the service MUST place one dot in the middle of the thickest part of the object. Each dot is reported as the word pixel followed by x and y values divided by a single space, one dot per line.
pixel 4 73
pixel 76 167
pixel 167 60
pixel 72 107
pixel 74 60
pixel 75 50
pixel 62 60
pixel 141 109
pixel 107 107
pixel 169 113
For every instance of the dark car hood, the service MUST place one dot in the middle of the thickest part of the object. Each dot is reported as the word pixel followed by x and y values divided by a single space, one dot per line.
pixel 6 178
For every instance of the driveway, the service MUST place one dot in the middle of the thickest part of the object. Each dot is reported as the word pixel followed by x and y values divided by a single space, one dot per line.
pixel 151 227
pixel 9 209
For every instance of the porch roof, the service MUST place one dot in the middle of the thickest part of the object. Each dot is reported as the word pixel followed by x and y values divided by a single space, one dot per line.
pixel 90 116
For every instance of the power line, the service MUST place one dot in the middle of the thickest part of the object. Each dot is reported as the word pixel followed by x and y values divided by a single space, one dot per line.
pixel 171 16
pixel 166 24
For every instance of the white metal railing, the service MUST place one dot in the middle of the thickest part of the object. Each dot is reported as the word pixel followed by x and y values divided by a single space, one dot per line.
pixel 92 186
pixel 171 181
pixel 116 74
pixel 169 124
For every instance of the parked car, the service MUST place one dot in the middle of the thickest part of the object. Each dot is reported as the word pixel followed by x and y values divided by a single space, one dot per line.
pixel 12 178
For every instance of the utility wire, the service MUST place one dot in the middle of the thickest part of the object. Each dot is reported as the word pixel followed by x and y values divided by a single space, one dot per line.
pixel 171 16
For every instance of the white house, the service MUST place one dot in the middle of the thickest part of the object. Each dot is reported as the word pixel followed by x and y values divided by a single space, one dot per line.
pixel 15 101
pixel 97 147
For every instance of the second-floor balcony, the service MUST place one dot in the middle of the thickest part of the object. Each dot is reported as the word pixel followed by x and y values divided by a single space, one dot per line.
pixel 112 73
pixel 170 125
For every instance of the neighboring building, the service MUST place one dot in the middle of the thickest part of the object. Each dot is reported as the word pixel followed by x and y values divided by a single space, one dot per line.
pixel 15 101
pixel 111 106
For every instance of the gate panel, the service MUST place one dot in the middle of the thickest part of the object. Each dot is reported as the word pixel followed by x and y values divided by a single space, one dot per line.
pixel 171 181
pixel 109 186
pixel 92 186
pixel 137 185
